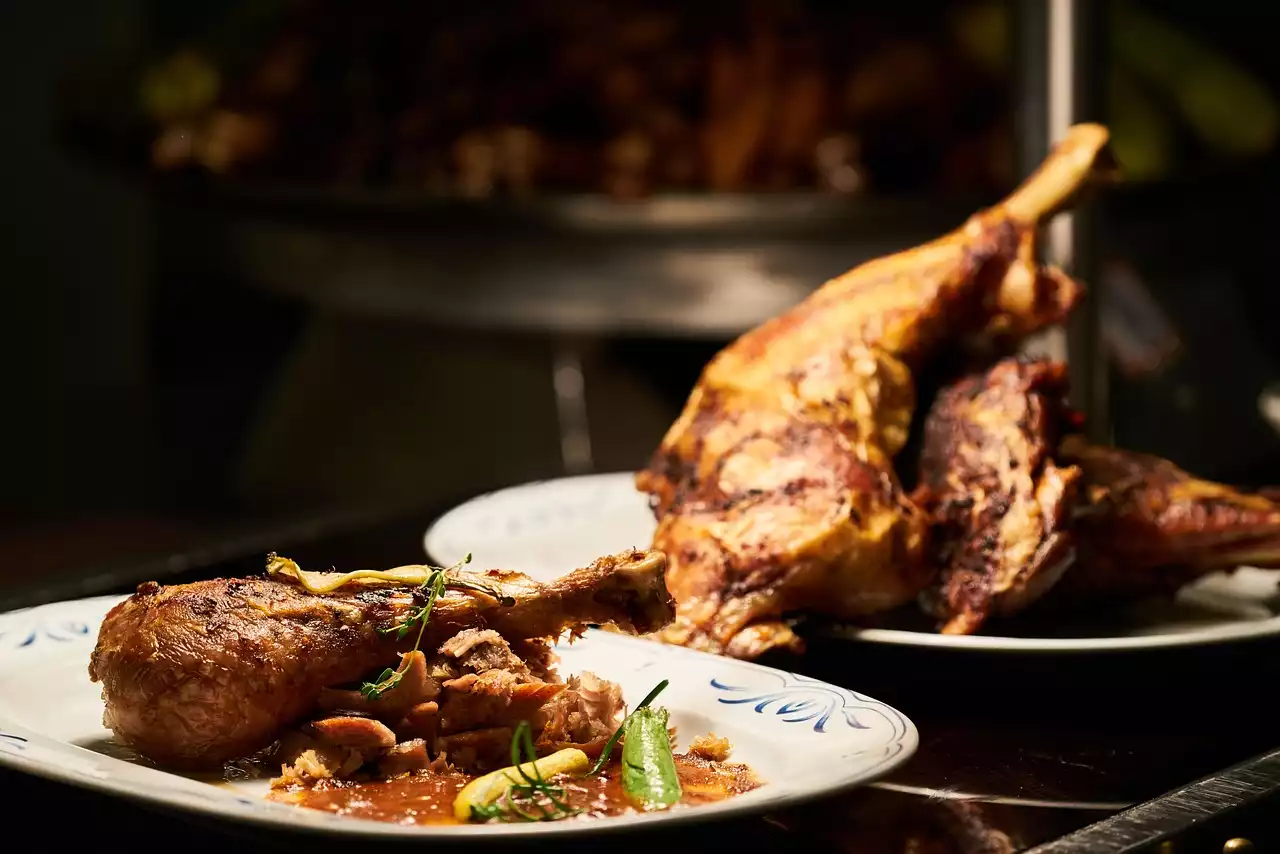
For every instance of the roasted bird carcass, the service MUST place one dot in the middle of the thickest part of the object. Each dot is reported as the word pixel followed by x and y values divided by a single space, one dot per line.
pixel 1021 504
pixel 195 675
pixel 1002 507
pixel 774 490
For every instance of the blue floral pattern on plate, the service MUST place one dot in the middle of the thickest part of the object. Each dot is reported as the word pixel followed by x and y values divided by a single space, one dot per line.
pixel 795 700
pixel 60 631
pixel 798 699
pixel 12 743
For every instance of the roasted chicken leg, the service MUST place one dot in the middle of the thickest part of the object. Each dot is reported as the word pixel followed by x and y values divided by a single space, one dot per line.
pixel 198 674
pixel 774 490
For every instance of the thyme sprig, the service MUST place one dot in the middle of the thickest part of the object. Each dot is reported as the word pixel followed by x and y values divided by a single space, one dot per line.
pixel 427 594
pixel 535 799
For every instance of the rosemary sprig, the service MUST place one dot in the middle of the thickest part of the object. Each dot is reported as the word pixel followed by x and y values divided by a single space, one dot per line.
pixel 388 679
pixel 430 590
pixel 533 800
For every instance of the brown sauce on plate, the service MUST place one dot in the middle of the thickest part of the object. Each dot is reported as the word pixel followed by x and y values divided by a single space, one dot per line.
pixel 427 798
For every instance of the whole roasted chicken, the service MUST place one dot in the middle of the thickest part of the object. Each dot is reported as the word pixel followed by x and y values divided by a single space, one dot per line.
pixel 775 489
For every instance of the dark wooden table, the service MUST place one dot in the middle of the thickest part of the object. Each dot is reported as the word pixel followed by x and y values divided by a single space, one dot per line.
pixel 1018 752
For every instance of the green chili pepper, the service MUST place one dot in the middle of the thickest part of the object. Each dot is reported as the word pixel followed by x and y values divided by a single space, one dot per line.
pixel 648 769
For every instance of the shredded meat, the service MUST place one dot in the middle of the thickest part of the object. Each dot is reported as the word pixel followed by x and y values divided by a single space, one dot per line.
pixel 538 657
pixel 478 650
pixel 404 758
pixel 584 715
pixel 480 688
pixel 322 762
pixel 491 698
pixel 478 750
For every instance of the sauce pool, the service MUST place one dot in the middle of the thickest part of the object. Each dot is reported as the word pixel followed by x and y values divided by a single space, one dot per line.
pixel 428 798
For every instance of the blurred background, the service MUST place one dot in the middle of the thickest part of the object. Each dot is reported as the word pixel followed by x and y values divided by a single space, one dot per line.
pixel 267 261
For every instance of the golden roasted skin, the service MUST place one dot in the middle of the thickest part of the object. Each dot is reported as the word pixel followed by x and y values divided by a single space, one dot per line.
pixel 1001 506
pixel 1021 507
pixel 774 489
pixel 195 675
pixel 1146 526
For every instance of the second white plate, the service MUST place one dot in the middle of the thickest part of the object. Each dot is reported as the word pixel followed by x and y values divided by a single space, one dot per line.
pixel 549 527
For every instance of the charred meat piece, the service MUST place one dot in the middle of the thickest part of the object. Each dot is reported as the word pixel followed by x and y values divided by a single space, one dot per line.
pixel 1000 505
pixel 774 490
pixel 197 674
pixel 492 698
pixel 1016 499
pixel 1148 527
pixel 795 520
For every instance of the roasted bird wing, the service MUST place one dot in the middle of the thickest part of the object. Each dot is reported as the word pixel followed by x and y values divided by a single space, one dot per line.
pixel 197 674
pixel 1147 526
pixel 774 490
pixel 1001 506
pixel 1021 504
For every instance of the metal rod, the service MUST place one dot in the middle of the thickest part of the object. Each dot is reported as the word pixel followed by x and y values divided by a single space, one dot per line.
pixel 1032 125
pixel 1031 46
pixel 1076 71
pixel 569 384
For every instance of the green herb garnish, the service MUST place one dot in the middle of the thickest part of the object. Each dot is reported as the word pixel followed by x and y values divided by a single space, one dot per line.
pixel 536 799
pixel 617 734
pixel 430 590
pixel 533 800
pixel 649 774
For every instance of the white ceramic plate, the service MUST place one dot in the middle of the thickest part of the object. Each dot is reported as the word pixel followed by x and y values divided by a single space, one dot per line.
pixel 804 738
pixel 549 527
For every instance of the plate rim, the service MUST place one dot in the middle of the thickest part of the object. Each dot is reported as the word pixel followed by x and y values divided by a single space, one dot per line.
pixel 441 523
pixel 1241 631
pixel 1238 632
pixel 293 819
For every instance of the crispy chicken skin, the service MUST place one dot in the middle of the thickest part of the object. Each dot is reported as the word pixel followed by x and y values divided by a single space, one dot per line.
pixel 774 490
pixel 1022 506
pixel 1001 506
pixel 195 675
pixel 1148 527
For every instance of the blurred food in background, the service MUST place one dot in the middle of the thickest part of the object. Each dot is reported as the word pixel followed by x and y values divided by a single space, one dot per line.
pixel 398 104
pixel 632 98
pixel 619 98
